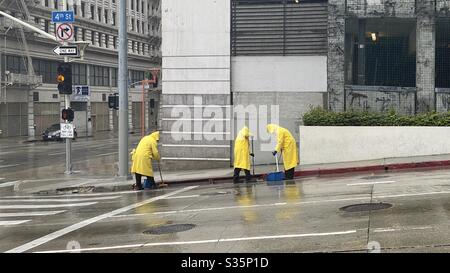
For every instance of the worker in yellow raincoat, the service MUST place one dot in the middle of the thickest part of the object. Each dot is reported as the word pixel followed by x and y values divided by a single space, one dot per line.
pixel 142 156
pixel 287 146
pixel 242 155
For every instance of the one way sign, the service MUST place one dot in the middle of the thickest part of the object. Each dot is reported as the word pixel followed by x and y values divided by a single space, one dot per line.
pixel 66 50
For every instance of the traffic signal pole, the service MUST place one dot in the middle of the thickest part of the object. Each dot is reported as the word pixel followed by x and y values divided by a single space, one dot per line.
pixel 123 90
pixel 67 105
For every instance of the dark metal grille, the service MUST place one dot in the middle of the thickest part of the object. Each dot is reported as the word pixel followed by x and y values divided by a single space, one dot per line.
pixel 166 229
pixel 279 27
pixel 443 53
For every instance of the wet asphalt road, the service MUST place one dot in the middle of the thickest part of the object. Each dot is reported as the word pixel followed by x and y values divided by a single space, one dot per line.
pixel 90 156
pixel 304 216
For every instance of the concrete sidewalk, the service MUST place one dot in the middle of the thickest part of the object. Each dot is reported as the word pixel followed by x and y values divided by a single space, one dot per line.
pixel 85 182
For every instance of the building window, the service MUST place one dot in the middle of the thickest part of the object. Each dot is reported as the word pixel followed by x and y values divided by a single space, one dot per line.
pixel 138 26
pixel 79 74
pixel 106 16
pixel 443 53
pixel 99 76
pixel 114 18
pixel 380 52
pixel 132 24
pixel 114 77
pixel 55 4
pixel 75 33
pixel 132 46
pixel 115 42
pixel 36 20
pixel 99 13
pixel 92 12
pixel 83 34
pixel 47 4
pixel 47 26
pixel 100 40
pixel 83 9
pixel 137 76
pixel 106 40
pixel 132 4
pixel 75 9
pixel 46 69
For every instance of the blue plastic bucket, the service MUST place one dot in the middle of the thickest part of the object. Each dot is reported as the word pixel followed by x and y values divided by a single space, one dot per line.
pixel 277 176
pixel 147 184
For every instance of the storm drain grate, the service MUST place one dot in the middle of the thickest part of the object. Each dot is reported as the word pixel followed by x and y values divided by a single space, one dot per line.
pixel 373 177
pixel 366 207
pixel 166 229
pixel 76 190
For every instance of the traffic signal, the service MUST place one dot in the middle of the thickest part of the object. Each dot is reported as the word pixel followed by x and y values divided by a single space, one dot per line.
pixel 64 78
pixel 67 114
pixel 113 101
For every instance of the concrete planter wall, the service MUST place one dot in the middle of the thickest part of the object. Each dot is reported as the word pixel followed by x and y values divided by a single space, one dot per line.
pixel 321 145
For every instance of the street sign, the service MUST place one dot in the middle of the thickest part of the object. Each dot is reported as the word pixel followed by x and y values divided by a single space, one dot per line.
pixel 82 90
pixel 64 32
pixel 66 50
pixel 67 130
pixel 63 16
pixel 81 93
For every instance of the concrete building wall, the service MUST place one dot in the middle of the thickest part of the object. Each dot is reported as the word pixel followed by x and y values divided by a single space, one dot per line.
pixel 280 90
pixel 196 75
pixel 322 145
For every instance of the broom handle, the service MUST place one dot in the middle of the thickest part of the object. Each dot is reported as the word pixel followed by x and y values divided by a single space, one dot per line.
pixel 276 160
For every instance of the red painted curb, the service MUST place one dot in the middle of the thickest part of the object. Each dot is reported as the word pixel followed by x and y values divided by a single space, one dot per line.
pixel 319 172
pixel 397 166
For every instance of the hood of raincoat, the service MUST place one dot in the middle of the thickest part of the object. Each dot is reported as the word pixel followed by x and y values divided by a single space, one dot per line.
pixel 272 128
pixel 244 132
pixel 155 135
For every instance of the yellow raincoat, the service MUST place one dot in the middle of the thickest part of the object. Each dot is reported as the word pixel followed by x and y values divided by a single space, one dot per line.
pixel 241 150
pixel 146 150
pixel 285 144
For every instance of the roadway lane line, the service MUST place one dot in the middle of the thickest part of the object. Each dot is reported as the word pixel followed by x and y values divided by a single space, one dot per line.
pixel 77 226
pixel 7 184
pixel 28 200
pixel 62 153
pixel 214 241
pixel 13 223
pixel 183 196
pixel 70 195
pixel 243 207
pixel 371 183
pixel 412 194
pixel 378 230
pixel 46 206
pixel 27 214
pixel 2 178
pixel 9 166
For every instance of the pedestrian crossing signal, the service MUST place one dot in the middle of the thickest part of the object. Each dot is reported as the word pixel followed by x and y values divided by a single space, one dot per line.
pixel 113 101
pixel 68 114
pixel 64 78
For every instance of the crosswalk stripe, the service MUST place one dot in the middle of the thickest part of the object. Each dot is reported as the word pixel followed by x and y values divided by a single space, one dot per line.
pixel 35 213
pixel 87 195
pixel 46 206
pixel 13 223
pixel 60 200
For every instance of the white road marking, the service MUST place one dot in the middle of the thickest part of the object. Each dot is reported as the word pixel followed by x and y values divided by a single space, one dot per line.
pixel 28 200
pixel 7 184
pixel 2 178
pixel 206 241
pixel 378 230
pixel 243 207
pixel 35 213
pixel 371 183
pixel 71 195
pixel 13 223
pixel 62 153
pixel 46 206
pixel 183 196
pixel 9 166
pixel 412 194
pixel 64 231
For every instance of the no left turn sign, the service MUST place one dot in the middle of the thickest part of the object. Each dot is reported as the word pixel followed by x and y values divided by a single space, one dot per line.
pixel 64 32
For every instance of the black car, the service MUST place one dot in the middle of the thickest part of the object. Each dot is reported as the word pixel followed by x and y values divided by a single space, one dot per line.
pixel 54 133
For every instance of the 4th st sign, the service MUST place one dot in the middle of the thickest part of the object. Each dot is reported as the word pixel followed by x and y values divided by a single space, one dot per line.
pixel 66 50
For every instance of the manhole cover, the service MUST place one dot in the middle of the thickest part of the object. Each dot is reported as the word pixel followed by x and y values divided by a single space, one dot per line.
pixel 366 207
pixel 373 177
pixel 216 193
pixel 166 229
